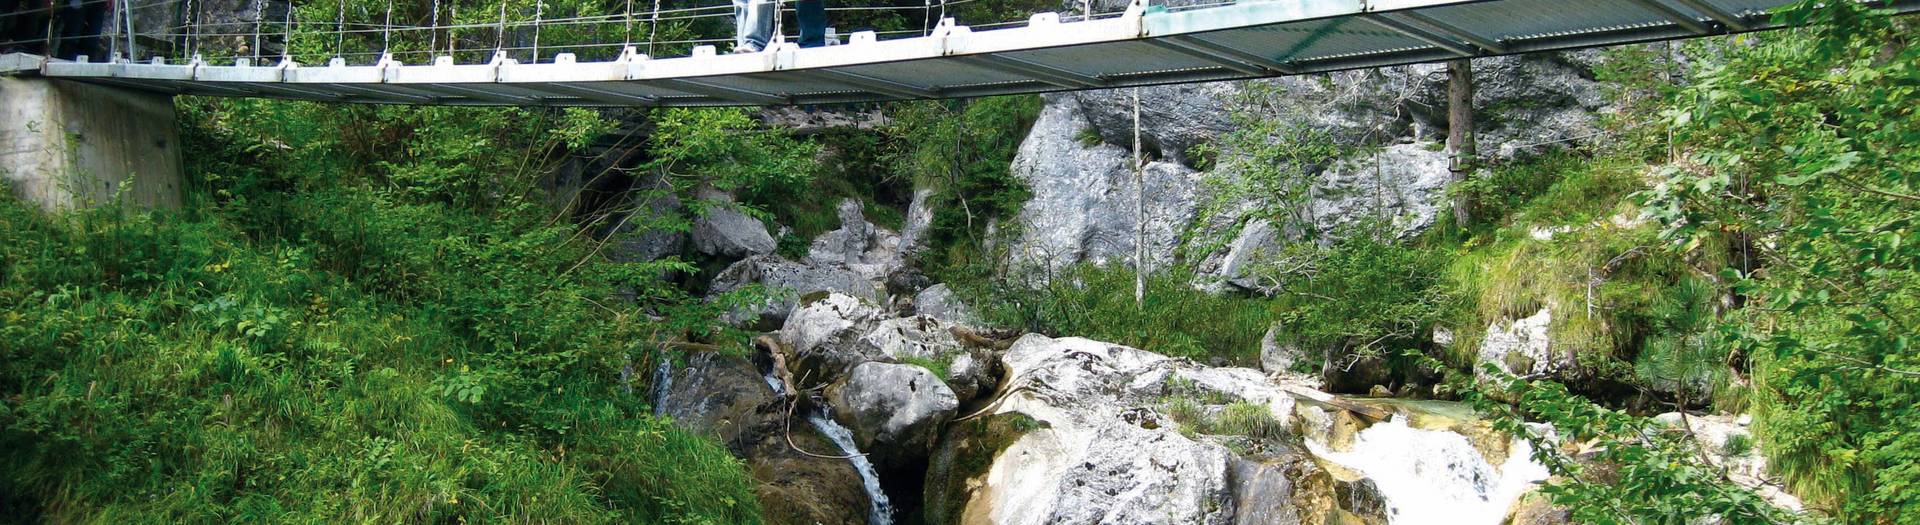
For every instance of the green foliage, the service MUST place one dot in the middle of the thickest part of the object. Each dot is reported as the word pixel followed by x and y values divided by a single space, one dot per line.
pixel 361 303
pixel 1632 473
pixel 1097 302
pixel 1268 161
pixel 1256 421
pixel 964 151
pixel 726 148
pixel 1737 444
pixel 1365 293
pixel 1800 158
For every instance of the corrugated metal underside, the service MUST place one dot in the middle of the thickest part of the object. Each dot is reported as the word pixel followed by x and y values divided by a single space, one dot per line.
pixel 1146 46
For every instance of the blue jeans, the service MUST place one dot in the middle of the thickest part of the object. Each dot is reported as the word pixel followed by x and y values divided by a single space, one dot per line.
pixel 813 22
pixel 752 23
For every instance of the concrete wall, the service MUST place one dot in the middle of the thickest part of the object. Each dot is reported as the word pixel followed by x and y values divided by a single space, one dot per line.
pixel 66 144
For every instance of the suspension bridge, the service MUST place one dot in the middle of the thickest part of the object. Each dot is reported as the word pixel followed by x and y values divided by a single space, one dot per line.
pixel 1144 44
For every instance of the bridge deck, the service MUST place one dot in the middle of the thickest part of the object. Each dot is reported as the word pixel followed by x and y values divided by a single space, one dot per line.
pixel 1143 46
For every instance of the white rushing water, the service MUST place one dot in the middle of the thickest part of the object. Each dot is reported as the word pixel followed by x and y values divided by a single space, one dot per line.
pixel 881 512
pixel 1430 476
pixel 662 383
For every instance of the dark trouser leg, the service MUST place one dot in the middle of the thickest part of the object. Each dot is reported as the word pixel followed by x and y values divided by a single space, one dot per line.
pixel 813 22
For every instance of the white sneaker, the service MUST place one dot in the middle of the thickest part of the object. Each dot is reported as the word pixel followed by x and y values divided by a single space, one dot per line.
pixel 743 50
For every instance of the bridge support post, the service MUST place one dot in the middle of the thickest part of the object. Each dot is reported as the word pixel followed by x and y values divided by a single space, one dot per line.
pixel 66 145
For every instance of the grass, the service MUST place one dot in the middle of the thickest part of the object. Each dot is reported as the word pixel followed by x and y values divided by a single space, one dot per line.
pixel 1097 303
pixel 299 347
pixel 939 366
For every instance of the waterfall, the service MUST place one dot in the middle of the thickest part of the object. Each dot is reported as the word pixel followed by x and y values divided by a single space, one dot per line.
pixel 662 383
pixel 881 512
pixel 1426 474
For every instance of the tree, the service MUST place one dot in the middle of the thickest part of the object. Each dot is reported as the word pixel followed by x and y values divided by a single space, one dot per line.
pixel 1460 137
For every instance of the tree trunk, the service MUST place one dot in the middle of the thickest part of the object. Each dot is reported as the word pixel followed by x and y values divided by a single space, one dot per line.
pixel 1460 136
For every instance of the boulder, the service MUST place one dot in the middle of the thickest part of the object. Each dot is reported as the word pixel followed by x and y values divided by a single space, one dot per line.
pixel 1095 451
pixel 939 302
pixel 722 230
pixel 1279 357
pixel 894 410
pixel 867 250
pixel 1728 443
pixel 1258 241
pixel 825 337
pixel 970 375
pixel 642 235
pixel 788 281
pixel 919 220
pixel 1091 432
pixel 1523 347
pixel 916 337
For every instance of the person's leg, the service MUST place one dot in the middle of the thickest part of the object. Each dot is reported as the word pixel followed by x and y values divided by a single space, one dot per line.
pixel 813 22
pixel 753 24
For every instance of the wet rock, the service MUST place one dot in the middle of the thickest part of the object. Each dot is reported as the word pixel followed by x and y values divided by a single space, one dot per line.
pixel 726 398
pixel 894 410
pixel 1537 509
pixel 1353 371
pixel 723 231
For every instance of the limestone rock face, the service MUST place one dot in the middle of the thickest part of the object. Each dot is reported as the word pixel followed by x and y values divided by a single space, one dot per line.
pixel 724 231
pixel 1082 208
pixel 894 410
pixel 1077 158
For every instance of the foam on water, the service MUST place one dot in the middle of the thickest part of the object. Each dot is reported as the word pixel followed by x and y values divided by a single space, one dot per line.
pixel 1431 476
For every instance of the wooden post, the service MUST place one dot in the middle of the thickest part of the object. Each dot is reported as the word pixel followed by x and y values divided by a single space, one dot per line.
pixel 1460 135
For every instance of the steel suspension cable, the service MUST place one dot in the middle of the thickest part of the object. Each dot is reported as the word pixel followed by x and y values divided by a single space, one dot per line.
pixel 286 45
pixel 538 11
pixel 339 28
pixel 386 33
pixel 259 15
pixel 433 23
pixel 653 28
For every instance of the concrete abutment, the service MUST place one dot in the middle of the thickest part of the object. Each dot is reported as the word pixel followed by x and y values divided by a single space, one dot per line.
pixel 67 145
